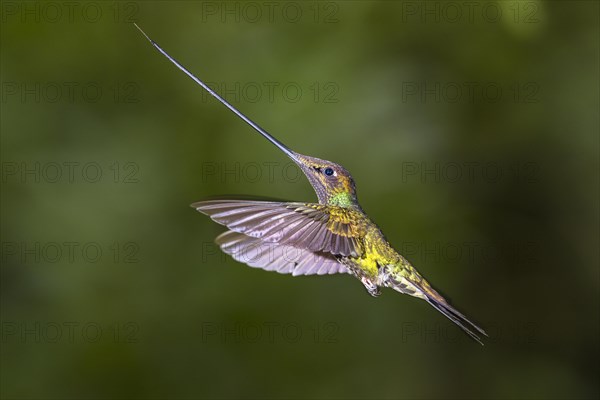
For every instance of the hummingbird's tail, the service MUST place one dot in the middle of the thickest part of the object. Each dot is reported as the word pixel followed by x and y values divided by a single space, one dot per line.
pixel 416 286
pixel 440 304
pixel 409 281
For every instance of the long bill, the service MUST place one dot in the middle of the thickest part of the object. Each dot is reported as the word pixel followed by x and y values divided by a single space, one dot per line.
pixel 253 124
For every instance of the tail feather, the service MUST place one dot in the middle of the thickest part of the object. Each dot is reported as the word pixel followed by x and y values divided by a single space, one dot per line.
pixel 410 282
pixel 455 316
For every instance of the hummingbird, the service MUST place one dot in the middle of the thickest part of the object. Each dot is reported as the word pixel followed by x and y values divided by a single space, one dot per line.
pixel 332 236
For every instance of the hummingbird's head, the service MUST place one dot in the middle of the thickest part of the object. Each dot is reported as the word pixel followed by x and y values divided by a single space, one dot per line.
pixel 332 182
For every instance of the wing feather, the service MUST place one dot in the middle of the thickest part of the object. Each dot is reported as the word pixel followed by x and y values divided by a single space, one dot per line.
pixel 277 257
pixel 313 227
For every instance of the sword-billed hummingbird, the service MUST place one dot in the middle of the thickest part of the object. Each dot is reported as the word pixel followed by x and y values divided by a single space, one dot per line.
pixel 328 237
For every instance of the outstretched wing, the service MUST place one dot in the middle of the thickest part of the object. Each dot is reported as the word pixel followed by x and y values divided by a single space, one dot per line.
pixel 308 226
pixel 277 257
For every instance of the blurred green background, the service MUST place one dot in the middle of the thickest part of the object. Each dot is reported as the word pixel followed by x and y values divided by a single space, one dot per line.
pixel 472 134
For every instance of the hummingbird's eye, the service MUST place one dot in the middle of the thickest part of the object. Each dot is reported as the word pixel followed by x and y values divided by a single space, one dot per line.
pixel 328 171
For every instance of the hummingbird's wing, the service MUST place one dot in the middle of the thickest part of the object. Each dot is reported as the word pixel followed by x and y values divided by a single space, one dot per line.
pixel 277 257
pixel 313 227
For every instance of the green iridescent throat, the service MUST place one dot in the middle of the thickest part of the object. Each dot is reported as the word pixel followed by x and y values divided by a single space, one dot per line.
pixel 343 199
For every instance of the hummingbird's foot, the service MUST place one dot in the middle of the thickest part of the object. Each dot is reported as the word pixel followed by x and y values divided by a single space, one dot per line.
pixel 372 288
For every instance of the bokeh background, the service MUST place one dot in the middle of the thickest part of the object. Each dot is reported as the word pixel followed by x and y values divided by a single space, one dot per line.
pixel 470 129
